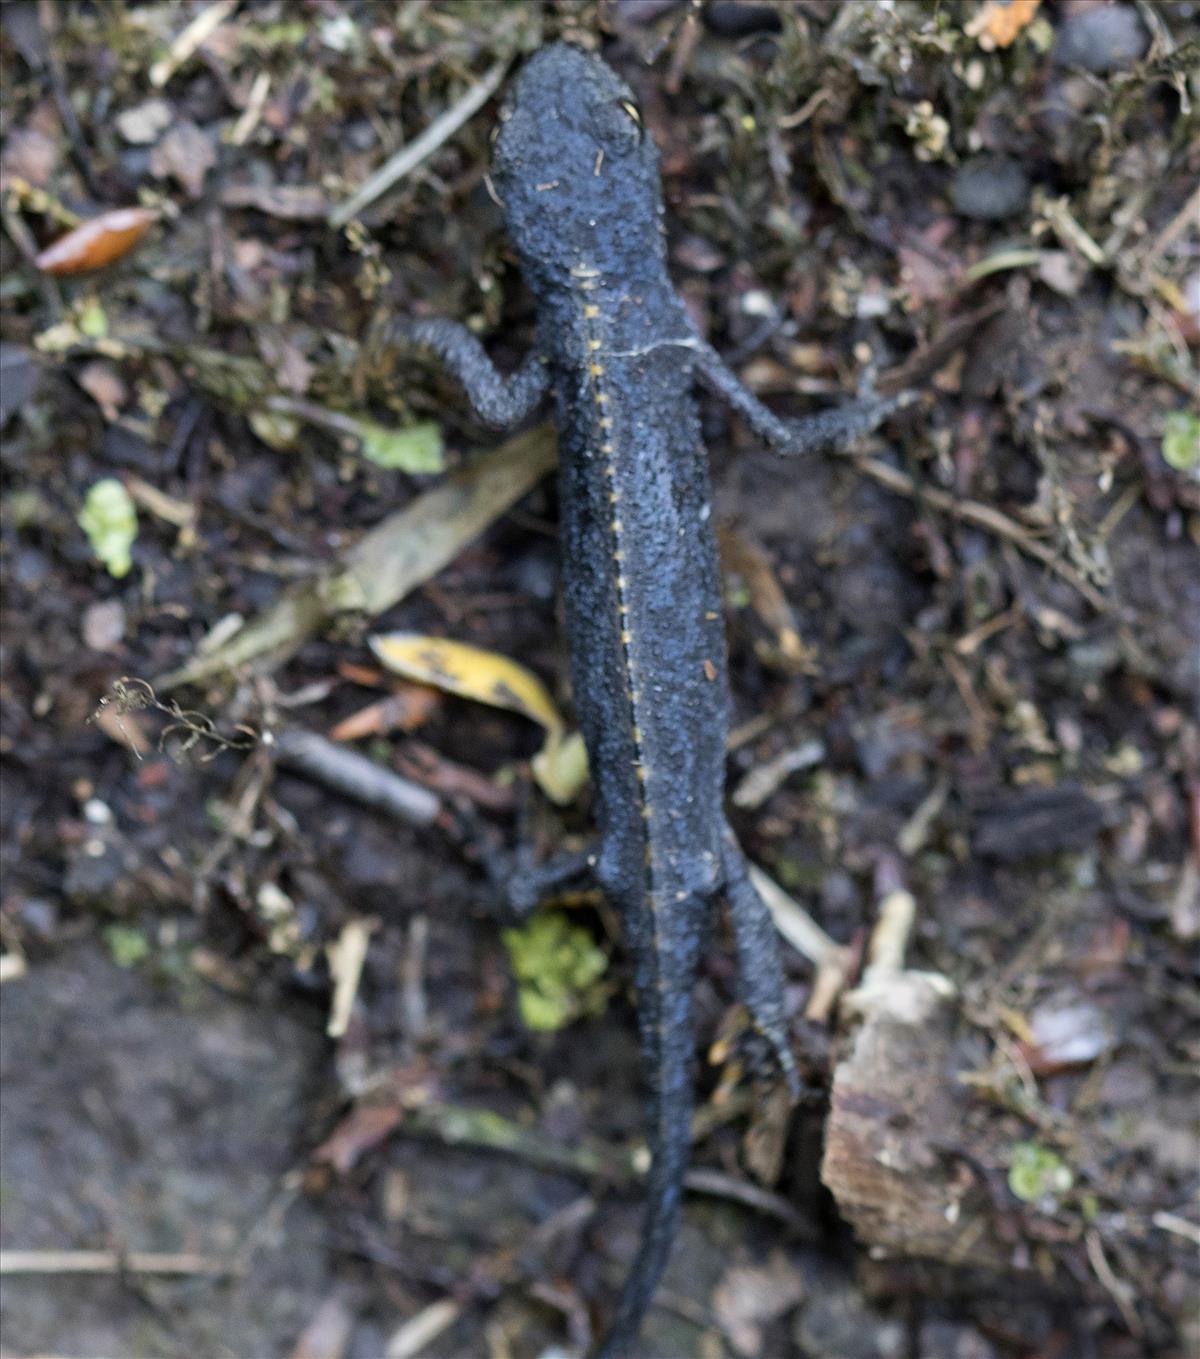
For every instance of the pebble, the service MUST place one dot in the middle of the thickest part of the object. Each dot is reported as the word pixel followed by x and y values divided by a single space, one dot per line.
pixel 990 188
pixel 1106 38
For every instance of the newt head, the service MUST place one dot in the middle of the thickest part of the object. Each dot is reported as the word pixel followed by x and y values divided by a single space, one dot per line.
pixel 577 172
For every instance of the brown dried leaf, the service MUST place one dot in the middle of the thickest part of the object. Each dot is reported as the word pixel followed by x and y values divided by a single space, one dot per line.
pixel 407 709
pixel 186 155
pixel 29 155
pixel 103 384
pixel 289 202
pixel 96 242
pixel 1000 21
pixel 750 1297
pixel 364 1127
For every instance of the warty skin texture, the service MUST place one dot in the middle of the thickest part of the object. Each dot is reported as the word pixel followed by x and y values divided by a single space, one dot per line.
pixel 579 182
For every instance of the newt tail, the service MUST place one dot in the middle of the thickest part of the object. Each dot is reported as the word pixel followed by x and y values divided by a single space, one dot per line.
pixel 666 1051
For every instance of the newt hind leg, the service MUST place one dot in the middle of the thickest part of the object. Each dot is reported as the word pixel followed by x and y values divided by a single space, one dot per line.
pixel 760 973
pixel 528 885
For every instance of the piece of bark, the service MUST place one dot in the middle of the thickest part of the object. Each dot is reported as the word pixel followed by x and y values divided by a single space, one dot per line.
pixel 903 1133
pixel 1026 822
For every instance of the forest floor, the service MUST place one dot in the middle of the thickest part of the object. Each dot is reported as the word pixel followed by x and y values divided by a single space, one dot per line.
pixel 267 1088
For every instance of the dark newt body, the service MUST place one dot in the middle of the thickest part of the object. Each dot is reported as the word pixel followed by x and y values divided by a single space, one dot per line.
pixel 580 187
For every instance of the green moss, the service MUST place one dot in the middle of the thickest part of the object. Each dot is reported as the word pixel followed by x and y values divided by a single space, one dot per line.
pixel 1038 1175
pixel 558 969
pixel 109 519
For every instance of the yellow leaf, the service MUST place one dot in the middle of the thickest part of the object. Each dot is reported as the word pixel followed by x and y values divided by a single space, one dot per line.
pixel 560 767
pixel 471 672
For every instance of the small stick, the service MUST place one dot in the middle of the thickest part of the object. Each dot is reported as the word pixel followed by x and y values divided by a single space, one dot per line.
pixel 1120 1291
pixel 356 777
pixel 420 1331
pixel 718 1184
pixel 793 921
pixel 409 157
pixel 110 1262
pixel 889 938
pixel 194 36
pixel 460 1126
pixel 830 958
pixel 984 517
pixel 244 128
pixel 346 958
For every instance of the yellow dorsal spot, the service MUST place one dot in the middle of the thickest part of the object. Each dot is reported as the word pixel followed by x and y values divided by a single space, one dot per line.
pixel 601 398
pixel 608 448
pixel 616 526
pixel 593 345
pixel 626 639
pixel 605 422
pixel 597 370
pixel 591 311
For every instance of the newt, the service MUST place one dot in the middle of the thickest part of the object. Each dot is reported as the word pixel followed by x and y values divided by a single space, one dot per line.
pixel 578 179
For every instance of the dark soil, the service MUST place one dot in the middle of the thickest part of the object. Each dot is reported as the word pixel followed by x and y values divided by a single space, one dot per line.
pixel 1004 683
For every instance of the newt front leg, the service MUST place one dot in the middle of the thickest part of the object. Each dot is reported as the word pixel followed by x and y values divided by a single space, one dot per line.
pixel 497 400
pixel 809 434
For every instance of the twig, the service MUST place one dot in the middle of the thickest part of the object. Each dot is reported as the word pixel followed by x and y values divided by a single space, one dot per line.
pixel 930 358
pixel 409 157
pixel 35 46
pixel 1120 1291
pixel 346 958
pixel 422 1330
pixel 253 778
pixel 111 1262
pixel 179 513
pixel 414 1003
pixel 793 921
pixel 970 642
pixel 22 238
pixel 984 517
pixel 764 779
pixel 356 777
pixel 251 114
pixel 194 36
pixel 915 830
pixel 718 1184
pixel 457 1125
pixel 1178 1226
pixel 830 958
pixel 402 552
pixel 889 938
